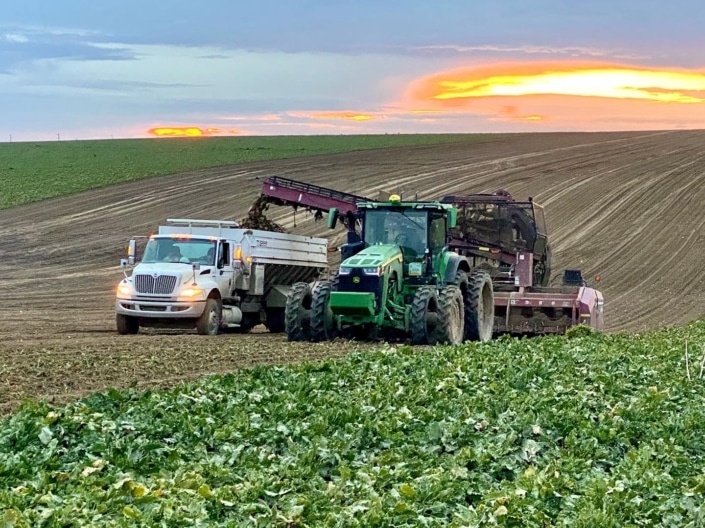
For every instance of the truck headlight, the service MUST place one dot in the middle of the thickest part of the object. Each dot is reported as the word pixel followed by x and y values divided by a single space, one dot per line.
pixel 124 290
pixel 191 293
pixel 372 271
pixel 344 270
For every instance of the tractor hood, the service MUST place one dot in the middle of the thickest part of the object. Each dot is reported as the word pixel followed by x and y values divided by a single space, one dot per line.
pixel 373 257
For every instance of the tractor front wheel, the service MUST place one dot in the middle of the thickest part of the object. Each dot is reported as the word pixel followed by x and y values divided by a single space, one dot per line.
pixel 425 317
pixel 452 313
pixel 323 326
pixel 297 313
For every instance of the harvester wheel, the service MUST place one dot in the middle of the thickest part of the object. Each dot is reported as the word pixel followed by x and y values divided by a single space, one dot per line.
pixel 126 324
pixel 452 312
pixel 425 317
pixel 209 322
pixel 322 321
pixel 479 307
pixel 297 315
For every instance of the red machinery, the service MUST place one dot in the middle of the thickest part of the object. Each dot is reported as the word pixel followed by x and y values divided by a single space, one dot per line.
pixel 508 238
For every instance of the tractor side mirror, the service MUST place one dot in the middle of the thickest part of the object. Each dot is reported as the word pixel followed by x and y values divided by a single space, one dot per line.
pixel 452 218
pixel 332 217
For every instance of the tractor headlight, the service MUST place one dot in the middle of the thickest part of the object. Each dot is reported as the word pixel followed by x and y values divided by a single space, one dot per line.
pixel 344 270
pixel 124 290
pixel 377 270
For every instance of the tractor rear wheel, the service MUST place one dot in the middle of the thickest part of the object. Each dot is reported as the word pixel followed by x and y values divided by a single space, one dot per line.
pixel 425 317
pixel 452 312
pixel 479 307
pixel 297 313
pixel 322 321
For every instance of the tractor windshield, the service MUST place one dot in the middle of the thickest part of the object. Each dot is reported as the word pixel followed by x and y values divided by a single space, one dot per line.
pixel 404 227
pixel 184 250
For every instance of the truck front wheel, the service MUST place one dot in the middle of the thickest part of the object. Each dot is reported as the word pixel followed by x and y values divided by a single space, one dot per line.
pixel 209 322
pixel 126 324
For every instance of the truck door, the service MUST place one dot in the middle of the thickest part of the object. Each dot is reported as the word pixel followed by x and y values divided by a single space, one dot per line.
pixel 225 274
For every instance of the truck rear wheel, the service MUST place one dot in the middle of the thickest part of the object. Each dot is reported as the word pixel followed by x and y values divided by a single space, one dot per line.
pixel 479 307
pixel 126 324
pixel 452 312
pixel 425 317
pixel 275 320
pixel 209 322
pixel 297 316
pixel 322 321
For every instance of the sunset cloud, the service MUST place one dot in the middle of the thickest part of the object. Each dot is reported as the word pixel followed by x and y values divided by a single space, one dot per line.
pixel 349 116
pixel 460 87
pixel 188 131
pixel 546 96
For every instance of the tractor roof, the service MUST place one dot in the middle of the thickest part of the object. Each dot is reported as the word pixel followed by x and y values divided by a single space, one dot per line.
pixel 397 205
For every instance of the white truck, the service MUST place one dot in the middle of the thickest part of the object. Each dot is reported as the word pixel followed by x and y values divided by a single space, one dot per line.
pixel 214 275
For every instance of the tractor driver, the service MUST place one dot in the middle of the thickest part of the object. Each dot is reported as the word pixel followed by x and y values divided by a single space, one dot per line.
pixel 410 241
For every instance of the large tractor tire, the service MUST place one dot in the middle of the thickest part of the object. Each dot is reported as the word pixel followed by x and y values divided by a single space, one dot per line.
pixel 452 311
pixel 323 326
pixel 127 325
pixel 425 317
pixel 210 321
pixel 297 314
pixel 479 307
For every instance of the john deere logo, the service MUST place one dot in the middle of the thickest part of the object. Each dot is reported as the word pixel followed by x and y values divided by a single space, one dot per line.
pixel 356 280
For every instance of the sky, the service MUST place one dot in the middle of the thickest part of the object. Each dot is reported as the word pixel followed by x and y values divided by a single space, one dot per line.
pixel 95 69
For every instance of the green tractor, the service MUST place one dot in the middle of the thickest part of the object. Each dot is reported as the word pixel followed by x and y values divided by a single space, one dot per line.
pixel 396 279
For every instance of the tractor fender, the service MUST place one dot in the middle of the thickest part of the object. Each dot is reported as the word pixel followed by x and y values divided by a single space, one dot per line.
pixel 455 263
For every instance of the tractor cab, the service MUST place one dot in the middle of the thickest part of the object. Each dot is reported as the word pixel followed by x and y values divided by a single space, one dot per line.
pixel 414 233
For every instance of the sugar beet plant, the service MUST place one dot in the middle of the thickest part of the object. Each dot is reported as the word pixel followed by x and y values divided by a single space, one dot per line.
pixel 585 431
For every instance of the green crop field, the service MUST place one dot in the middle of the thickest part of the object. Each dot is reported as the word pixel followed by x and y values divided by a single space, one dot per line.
pixel 35 171
pixel 581 431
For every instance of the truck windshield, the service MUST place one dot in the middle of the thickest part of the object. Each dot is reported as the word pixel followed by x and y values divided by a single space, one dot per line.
pixel 184 250
pixel 407 228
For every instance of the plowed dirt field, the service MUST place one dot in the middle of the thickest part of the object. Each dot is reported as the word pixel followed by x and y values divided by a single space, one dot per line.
pixel 627 206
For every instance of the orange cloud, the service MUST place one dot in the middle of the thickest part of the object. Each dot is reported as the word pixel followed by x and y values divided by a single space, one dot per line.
pixel 512 112
pixel 350 116
pixel 186 131
pixel 460 87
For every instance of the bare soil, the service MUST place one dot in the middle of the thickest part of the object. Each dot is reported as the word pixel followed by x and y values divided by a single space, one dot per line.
pixel 626 206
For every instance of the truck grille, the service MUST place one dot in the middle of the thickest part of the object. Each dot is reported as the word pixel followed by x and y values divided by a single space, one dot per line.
pixel 160 285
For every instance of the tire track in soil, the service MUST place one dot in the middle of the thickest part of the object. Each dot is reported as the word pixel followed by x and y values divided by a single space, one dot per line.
pixel 625 205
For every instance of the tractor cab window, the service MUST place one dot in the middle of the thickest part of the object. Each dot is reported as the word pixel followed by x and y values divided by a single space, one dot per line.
pixel 404 227
pixel 438 232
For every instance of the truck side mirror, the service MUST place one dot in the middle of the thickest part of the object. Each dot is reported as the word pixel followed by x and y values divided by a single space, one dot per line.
pixel 332 217
pixel 452 218
pixel 131 251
